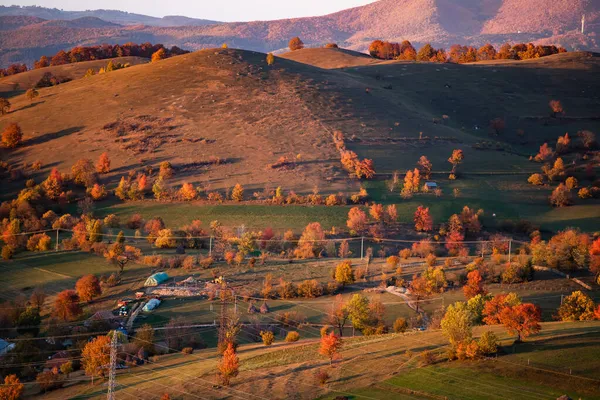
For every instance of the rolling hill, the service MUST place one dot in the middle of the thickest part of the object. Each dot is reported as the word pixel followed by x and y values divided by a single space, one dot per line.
pixel 441 22
pixel 223 117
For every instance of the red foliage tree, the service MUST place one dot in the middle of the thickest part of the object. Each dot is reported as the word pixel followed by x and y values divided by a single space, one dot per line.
pixel 66 305
pixel 423 220
pixel 296 44
pixel 88 287
pixel 229 365
pixel 103 165
pixel 522 320
pixel 474 285
pixel 330 347
pixel 12 136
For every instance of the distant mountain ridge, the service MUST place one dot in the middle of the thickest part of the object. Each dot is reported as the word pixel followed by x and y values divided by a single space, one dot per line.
pixel 439 22
pixel 115 16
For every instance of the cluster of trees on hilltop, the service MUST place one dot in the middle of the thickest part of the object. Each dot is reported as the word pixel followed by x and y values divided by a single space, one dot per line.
pixel 101 52
pixel 458 53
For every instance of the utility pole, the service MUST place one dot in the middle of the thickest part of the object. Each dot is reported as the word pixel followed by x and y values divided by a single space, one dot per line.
pixel 210 247
pixel 362 246
pixel 583 24
pixel 509 250
pixel 112 373
pixel 56 246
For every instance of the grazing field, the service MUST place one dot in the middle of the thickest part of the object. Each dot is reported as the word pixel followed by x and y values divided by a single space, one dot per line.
pixel 561 361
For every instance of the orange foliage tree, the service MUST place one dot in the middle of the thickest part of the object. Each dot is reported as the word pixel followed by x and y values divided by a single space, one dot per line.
pixel 296 44
pixel 12 389
pixel 88 287
pixel 546 153
pixel 12 136
pixel 160 54
pixel 96 357
pixel 474 285
pixel 376 212
pixel 187 192
pixel 556 107
pixel 331 344
pixel 522 320
pixel 425 167
pixel 561 196
pixel 423 220
pixel 455 159
pixel 229 365
pixel 357 220
pixel 311 242
pixel 66 305
pixel 103 165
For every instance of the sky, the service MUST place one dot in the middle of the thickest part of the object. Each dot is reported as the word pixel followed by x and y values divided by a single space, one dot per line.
pixel 220 10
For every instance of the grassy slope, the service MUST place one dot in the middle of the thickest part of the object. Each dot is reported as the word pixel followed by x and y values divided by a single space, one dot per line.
pixel 287 370
pixel 28 79
pixel 252 114
pixel 330 58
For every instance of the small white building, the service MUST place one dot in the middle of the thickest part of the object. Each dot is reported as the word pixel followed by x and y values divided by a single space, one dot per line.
pixel 431 185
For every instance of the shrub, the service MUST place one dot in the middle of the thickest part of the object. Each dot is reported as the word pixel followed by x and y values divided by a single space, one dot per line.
pixel 237 193
pixel 296 44
pixel 488 343
pixel 331 46
pixel 536 179
pixel 322 377
pixel 187 350
pixel 111 221
pixel 135 221
pixel 310 289
pixel 39 242
pixel 270 59
pixel 584 193
pixel 400 325
pixel 7 252
pixel 267 337
pixel 12 136
pixel 292 336
pixel 405 253
pixel 426 358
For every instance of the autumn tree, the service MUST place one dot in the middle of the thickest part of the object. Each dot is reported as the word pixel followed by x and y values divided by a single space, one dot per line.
pixel 474 285
pixel 486 52
pixel 160 54
pixel 31 94
pixel 88 287
pixel 578 306
pixel 296 44
pixel 311 241
pixel 4 106
pixel 522 320
pixel 568 250
pixel 545 153
pixel 423 220
pixel 391 214
pixel 359 312
pixel 12 389
pixel 344 273
pixel 66 305
pixel 455 159
pixel 376 212
pixel 561 196
pixel 330 346
pixel 536 179
pixel 494 306
pixel 339 314
pixel 425 167
pixel 357 220
pixel 95 357
pixel 187 192
pixel 237 192
pixel 84 172
pixel 426 53
pixel 270 59
pixel 456 324
pixel 103 165
pixel 229 365
pixel 12 136
pixel 556 108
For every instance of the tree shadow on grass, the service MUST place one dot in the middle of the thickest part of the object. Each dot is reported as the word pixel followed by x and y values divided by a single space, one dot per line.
pixel 52 135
